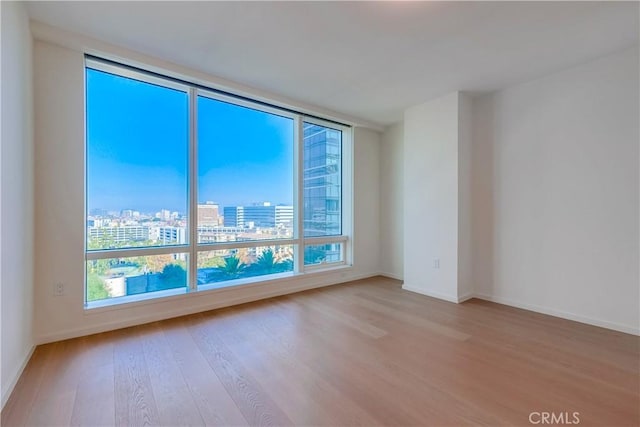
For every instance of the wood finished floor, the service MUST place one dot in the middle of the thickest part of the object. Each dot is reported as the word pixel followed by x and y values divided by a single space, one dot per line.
pixel 364 353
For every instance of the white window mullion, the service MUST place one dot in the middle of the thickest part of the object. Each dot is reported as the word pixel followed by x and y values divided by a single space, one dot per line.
pixel 298 195
pixel 193 189
pixel 323 240
pixel 134 252
pixel 347 195
pixel 234 244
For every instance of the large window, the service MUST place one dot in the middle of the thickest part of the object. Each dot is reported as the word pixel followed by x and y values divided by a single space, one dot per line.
pixel 189 190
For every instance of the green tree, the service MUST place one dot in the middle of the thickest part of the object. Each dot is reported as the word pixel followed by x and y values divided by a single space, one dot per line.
pixel 102 242
pixel 174 274
pixel 95 288
pixel 285 265
pixel 99 266
pixel 267 261
pixel 214 261
pixel 154 263
pixel 232 266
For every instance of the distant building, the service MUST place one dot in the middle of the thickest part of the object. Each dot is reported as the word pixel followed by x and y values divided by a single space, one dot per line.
pixel 172 235
pixel 164 215
pixel 117 235
pixel 98 212
pixel 284 216
pixel 260 216
pixel 208 214
pixel 215 233
pixel 234 216
pixel 96 222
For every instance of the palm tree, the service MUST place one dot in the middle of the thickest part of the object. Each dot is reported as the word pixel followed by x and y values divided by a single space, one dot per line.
pixel 267 261
pixel 232 266
pixel 285 265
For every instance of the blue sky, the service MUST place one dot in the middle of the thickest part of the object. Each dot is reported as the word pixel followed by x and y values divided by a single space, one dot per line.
pixel 137 149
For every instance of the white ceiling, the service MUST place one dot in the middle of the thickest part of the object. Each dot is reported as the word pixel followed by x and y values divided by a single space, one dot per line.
pixel 369 60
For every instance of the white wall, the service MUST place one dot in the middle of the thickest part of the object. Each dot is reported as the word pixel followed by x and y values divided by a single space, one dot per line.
pixel 59 156
pixel 547 195
pixel 556 193
pixel 366 155
pixel 16 180
pixel 392 201
pixel 465 197
pixel 431 197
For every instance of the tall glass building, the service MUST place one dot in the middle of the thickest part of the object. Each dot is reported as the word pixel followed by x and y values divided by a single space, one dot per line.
pixel 322 181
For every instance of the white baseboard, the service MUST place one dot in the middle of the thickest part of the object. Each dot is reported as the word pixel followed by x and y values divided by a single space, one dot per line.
pixel 465 297
pixel 450 298
pixel 391 276
pixel 227 301
pixel 562 314
pixel 6 393
pixel 531 307
pixel 445 297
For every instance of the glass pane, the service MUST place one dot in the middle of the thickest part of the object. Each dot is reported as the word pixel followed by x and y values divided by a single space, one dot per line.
pixel 229 264
pixel 322 254
pixel 322 181
pixel 137 157
pixel 117 277
pixel 245 173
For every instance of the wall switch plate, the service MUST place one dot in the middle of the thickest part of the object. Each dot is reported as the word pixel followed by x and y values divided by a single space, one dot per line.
pixel 436 263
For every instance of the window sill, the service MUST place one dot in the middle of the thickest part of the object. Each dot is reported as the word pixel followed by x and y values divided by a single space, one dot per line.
pixel 107 303
pixel 131 301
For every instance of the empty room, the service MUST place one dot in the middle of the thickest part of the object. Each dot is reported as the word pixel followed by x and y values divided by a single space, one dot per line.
pixel 420 213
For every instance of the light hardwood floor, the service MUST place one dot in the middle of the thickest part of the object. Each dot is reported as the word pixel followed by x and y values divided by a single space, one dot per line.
pixel 363 353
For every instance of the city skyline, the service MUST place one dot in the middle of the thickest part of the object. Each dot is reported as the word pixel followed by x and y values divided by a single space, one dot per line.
pixel 152 212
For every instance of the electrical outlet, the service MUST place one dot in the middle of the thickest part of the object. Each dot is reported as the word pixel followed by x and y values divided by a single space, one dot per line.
pixel 58 289
pixel 436 263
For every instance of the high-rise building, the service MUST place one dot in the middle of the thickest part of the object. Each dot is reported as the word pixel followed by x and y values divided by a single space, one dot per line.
pixel 322 180
pixel 208 214
pixel 260 215
pixel 284 216
pixel 265 215
pixel 234 216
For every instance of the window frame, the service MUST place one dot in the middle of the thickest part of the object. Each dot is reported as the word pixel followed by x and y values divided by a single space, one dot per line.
pixel 193 247
pixel 346 188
